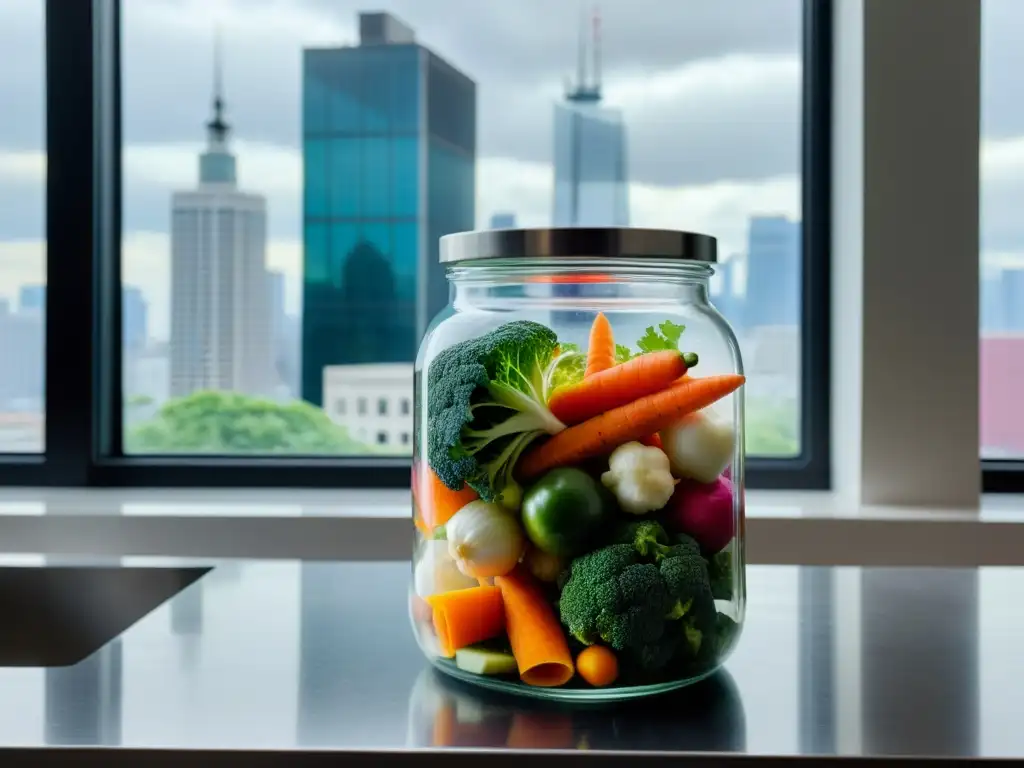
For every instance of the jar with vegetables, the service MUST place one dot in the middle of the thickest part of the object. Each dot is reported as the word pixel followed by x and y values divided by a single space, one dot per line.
pixel 578 465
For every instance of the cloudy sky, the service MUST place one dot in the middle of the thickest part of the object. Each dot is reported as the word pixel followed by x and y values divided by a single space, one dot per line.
pixel 710 93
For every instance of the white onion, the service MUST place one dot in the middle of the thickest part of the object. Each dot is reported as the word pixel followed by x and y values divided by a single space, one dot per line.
pixel 484 540
pixel 437 572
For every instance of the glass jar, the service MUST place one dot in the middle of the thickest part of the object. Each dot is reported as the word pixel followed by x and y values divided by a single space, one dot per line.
pixel 578 465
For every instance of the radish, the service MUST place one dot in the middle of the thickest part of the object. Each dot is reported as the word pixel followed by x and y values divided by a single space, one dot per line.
pixel 703 511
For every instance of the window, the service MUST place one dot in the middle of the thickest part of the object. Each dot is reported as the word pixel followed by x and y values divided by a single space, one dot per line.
pixel 405 438
pixel 1002 242
pixel 22 231
pixel 261 233
pixel 382 438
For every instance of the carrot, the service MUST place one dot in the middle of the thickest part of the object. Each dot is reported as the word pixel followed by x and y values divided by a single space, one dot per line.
pixel 434 500
pixel 653 440
pixel 601 348
pixel 466 616
pixel 601 434
pixel 618 385
pixel 534 632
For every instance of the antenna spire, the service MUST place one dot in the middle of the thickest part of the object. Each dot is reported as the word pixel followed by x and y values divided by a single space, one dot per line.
pixel 218 127
pixel 597 51
pixel 581 64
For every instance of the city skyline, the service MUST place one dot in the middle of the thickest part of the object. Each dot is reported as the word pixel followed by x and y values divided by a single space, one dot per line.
pixel 756 54
pixel 719 192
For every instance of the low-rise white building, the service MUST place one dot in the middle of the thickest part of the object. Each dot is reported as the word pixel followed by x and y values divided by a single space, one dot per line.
pixel 373 402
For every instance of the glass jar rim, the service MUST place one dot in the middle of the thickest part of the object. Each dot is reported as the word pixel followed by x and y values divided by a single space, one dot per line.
pixel 578 270
pixel 579 243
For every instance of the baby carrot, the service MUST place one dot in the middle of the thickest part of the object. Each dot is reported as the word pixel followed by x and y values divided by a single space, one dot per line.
pixel 601 434
pixel 618 385
pixel 601 348
pixel 466 616
pixel 537 640
pixel 435 501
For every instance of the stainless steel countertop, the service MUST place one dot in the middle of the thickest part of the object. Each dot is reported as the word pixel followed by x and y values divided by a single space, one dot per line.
pixel 312 658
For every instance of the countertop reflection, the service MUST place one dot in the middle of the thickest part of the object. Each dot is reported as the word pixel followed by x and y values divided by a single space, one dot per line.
pixel 315 655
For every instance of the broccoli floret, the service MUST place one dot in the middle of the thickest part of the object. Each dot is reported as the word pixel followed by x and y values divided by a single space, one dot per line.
pixel 720 571
pixel 641 596
pixel 686 578
pixel 486 402
pixel 646 536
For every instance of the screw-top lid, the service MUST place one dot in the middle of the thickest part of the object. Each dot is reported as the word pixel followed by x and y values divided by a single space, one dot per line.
pixel 579 242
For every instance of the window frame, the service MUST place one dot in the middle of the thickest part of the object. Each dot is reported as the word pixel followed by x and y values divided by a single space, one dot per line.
pixel 84 413
pixel 1002 476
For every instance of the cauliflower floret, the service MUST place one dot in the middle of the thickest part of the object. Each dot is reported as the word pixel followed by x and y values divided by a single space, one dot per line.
pixel 640 477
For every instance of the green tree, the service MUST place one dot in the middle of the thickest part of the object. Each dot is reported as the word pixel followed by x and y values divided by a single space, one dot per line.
pixel 230 423
pixel 772 428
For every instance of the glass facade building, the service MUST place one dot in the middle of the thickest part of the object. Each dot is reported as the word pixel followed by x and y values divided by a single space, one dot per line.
pixel 591 188
pixel 773 272
pixel 389 163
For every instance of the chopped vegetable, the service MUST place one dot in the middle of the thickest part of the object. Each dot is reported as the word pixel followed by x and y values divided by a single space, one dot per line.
pixel 569 367
pixel 618 385
pixel 653 440
pixel 435 501
pixel 436 570
pixel 481 660
pixel 699 446
pixel 543 565
pixel 703 511
pixel 538 643
pixel 633 421
pixel 640 478
pixel 511 496
pixel 720 570
pixel 467 616
pixel 665 336
pixel 486 402
pixel 647 605
pixel 597 665
pixel 565 511
pixel 601 348
pixel 484 539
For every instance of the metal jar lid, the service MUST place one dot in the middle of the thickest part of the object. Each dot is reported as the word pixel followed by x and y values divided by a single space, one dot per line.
pixel 606 242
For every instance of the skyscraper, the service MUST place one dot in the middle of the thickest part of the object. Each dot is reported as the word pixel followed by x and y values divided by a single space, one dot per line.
pixel 773 272
pixel 723 292
pixel 32 298
pixel 134 318
pixel 220 319
pixel 389 164
pixel 1002 300
pixel 503 220
pixel 591 188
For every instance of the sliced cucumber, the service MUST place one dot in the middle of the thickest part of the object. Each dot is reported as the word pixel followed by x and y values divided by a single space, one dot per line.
pixel 481 660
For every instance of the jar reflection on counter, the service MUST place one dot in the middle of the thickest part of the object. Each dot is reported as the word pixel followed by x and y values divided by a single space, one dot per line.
pixel 578 466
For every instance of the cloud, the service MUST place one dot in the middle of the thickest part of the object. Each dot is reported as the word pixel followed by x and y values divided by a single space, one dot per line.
pixel 709 91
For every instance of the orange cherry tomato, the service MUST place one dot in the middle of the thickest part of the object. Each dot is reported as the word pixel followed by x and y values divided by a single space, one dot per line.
pixel 597 665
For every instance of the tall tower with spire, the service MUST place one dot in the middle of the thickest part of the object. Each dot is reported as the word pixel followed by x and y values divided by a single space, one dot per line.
pixel 217 164
pixel 221 325
pixel 591 188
